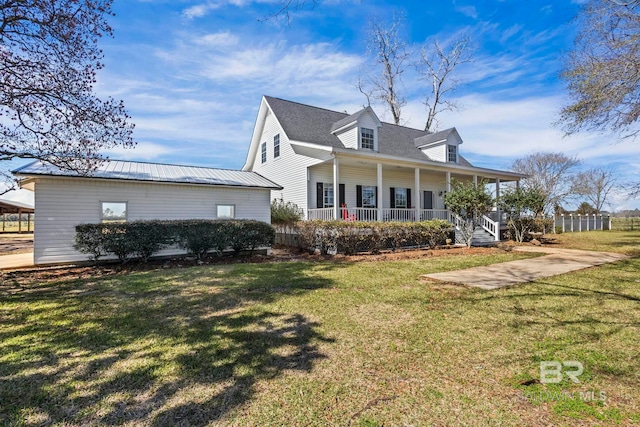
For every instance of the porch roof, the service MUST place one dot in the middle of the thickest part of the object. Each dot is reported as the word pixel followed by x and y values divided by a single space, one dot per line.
pixel 359 156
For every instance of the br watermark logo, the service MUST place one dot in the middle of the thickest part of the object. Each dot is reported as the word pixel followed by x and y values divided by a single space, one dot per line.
pixel 552 372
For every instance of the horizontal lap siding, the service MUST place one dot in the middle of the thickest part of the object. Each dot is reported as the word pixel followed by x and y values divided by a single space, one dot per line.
pixel 289 170
pixel 352 176
pixel 62 204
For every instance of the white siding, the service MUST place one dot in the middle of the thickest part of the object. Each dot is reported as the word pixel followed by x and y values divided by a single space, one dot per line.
pixel 289 170
pixel 349 137
pixel 64 203
pixel 437 153
pixel 403 178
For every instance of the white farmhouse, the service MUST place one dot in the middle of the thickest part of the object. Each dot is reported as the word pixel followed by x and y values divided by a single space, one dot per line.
pixel 355 167
pixel 127 191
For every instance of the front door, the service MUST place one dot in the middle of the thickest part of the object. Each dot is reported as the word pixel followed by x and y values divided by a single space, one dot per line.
pixel 428 200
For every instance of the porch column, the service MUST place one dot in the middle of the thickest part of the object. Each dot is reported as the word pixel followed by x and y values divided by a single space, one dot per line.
pixel 379 198
pixel 517 184
pixel 448 181
pixel 336 188
pixel 498 213
pixel 416 194
pixel 475 181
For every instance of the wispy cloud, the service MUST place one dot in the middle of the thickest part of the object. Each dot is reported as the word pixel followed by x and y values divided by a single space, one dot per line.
pixel 469 11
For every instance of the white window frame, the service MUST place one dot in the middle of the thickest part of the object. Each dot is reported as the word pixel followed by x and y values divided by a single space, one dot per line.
pixel 328 195
pixel 403 193
pixel 369 193
pixel 126 211
pixel 452 153
pixel 276 146
pixel 370 138
pixel 263 152
pixel 233 211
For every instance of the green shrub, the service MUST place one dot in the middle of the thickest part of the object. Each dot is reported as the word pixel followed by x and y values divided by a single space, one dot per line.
pixel 89 240
pixel 143 239
pixel 352 237
pixel 285 213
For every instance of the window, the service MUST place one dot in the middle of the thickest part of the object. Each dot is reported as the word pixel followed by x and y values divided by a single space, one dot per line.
pixel 113 211
pixel 276 146
pixel 264 152
pixel 327 195
pixel 401 198
pixel 368 196
pixel 452 153
pixel 225 211
pixel 366 139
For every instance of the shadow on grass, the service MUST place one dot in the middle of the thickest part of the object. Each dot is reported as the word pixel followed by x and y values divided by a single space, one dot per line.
pixel 177 347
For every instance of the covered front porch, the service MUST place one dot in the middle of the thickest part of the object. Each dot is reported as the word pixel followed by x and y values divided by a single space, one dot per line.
pixel 354 189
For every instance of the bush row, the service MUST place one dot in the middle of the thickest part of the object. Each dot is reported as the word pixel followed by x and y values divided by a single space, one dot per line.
pixel 351 237
pixel 142 239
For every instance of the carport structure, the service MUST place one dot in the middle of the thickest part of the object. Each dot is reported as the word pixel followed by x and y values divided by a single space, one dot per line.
pixel 13 207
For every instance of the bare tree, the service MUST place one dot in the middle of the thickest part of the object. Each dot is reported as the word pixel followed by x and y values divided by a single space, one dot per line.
pixel 595 185
pixel 391 59
pixel 550 173
pixel 603 70
pixel 284 8
pixel 48 63
pixel 436 66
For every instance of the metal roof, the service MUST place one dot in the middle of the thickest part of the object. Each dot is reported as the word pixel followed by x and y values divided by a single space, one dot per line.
pixel 12 206
pixel 156 172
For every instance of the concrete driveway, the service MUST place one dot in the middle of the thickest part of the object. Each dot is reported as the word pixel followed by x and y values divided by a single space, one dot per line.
pixel 9 262
pixel 557 261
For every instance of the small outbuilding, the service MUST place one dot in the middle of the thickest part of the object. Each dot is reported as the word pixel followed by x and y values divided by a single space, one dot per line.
pixel 127 191
pixel 19 210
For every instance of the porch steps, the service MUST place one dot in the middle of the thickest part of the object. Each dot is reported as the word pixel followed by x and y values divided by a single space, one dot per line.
pixel 481 237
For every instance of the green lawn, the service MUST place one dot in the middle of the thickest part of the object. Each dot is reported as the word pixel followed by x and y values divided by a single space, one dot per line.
pixel 627 242
pixel 319 343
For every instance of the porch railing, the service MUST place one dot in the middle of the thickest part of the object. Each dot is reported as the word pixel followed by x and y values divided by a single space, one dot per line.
pixel 493 227
pixel 372 214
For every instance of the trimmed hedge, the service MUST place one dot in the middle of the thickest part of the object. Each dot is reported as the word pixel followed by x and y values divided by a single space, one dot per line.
pixel 353 237
pixel 143 239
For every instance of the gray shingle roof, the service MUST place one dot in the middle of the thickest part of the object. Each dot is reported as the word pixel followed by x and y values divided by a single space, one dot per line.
pixel 433 137
pixel 312 124
pixel 157 172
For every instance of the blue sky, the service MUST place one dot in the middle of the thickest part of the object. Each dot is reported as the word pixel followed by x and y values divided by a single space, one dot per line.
pixel 192 74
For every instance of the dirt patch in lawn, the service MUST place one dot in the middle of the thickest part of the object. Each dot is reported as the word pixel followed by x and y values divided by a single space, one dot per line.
pixel 16 244
pixel 278 254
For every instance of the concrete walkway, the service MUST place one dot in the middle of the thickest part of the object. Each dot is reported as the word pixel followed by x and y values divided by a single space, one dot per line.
pixel 558 261
pixel 9 262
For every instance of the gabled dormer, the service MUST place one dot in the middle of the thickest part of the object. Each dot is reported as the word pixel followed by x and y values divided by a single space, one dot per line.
pixel 359 131
pixel 441 146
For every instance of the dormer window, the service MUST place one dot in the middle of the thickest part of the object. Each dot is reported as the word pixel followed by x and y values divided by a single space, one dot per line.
pixel 366 139
pixel 452 153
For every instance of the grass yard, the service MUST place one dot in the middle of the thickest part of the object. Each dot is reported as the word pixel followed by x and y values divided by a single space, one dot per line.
pixel 319 343
pixel 626 242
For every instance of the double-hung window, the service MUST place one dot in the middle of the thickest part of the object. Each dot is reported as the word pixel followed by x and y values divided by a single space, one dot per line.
pixel 263 150
pixel 366 139
pixel 276 146
pixel 452 153
pixel 401 198
pixel 327 195
pixel 368 196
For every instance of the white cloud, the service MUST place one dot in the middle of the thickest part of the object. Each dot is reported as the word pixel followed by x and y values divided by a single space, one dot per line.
pixel 469 11
pixel 218 40
pixel 142 151
pixel 199 10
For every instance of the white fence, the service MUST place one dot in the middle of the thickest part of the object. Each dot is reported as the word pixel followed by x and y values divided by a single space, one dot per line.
pixel 577 223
